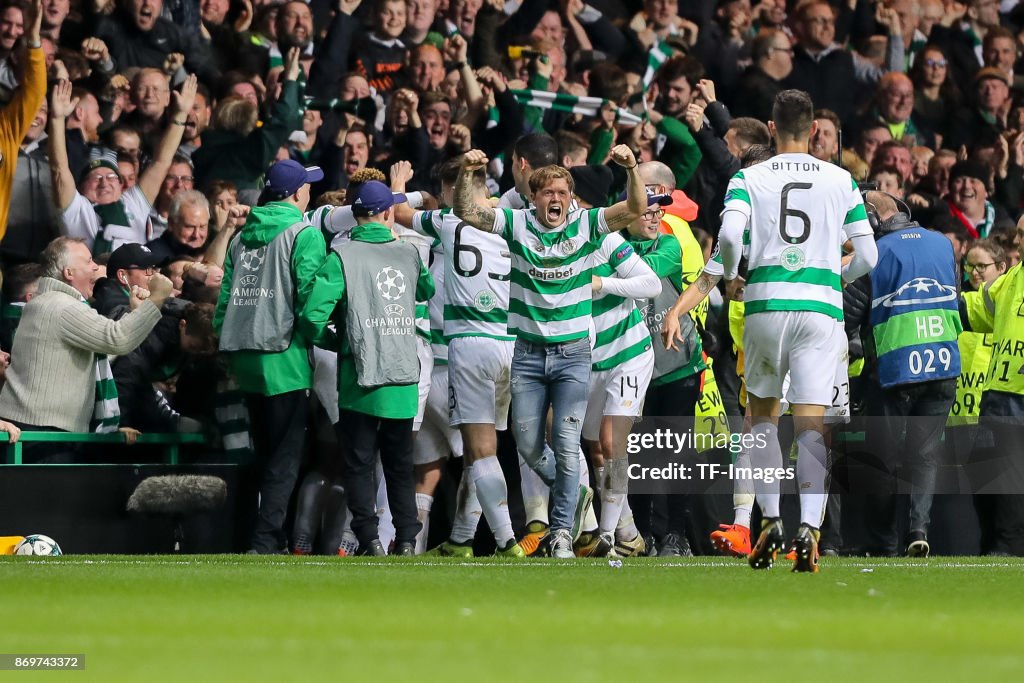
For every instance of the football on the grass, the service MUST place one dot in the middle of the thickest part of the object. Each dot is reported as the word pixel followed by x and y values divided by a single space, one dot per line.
pixel 37 544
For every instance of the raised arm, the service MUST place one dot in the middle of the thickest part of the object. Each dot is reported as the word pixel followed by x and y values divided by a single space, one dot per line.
pixel 465 206
pixel 61 106
pixel 153 177
pixel 687 301
pixel 621 215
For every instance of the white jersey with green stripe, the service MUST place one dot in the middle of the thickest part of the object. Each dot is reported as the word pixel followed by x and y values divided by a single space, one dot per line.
pixel 799 211
pixel 620 333
pixel 422 244
pixel 435 307
pixel 476 273
pixel 550 297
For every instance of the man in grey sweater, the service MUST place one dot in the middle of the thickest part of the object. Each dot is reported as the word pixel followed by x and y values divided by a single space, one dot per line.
pixel 51 383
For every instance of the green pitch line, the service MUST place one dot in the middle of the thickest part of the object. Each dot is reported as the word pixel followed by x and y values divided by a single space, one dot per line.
pixel 284 619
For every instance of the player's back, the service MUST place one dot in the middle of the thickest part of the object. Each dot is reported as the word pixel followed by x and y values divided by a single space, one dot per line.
pixel 798 209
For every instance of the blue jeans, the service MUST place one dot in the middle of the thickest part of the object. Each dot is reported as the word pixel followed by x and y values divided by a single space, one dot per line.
pixel 555 376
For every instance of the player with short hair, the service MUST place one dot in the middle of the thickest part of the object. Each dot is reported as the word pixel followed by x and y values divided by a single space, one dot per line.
pixel 793 212
pixel 476 274
pixel 550 307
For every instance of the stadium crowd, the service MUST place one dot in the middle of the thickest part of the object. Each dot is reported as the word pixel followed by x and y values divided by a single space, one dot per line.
pixel 340 236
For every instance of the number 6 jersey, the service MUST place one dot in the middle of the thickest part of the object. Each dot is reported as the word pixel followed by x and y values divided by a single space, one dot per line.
pixel 476 276
pixel 799 212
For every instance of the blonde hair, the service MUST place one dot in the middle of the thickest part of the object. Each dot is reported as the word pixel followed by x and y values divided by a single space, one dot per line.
pixel 236 114
pixel 546 174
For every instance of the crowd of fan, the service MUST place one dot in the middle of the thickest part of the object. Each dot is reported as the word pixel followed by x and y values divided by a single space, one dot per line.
pixel 147 123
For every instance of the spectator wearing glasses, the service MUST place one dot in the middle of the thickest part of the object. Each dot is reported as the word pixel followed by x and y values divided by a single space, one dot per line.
pixel 936 95
pixel 131 265
pixel 894 108
pixel 100 211
pixel 829 73
pixel 756 89
pixel 179 179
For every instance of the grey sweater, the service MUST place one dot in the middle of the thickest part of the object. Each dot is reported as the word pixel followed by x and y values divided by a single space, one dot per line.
pixel 52 378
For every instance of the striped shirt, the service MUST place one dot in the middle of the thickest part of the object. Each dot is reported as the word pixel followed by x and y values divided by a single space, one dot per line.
pixel 620 333
pixel 550 297
pixel 799 211
pixel 476 274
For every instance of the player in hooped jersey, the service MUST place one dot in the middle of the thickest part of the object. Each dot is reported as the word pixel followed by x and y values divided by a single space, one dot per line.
pixel 476 274
pixel 550 309
pixel 794 212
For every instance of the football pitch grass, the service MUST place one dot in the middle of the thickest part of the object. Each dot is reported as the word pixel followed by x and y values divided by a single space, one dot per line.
pixel 239 618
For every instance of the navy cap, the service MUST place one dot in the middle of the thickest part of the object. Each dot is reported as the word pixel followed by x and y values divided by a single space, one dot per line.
pixel 652 199
pixel 128 256
pixel 286 177
pixel 373 197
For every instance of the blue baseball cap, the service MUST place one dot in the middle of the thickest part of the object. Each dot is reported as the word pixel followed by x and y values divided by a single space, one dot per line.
pixel 374 197
pixel 286 177
pixel 652 198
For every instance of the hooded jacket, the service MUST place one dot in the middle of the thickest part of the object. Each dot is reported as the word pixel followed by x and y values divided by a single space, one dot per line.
pixel 268 373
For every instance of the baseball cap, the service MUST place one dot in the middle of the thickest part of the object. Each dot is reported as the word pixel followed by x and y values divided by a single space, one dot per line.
pixel 652 198
pixel 286 177
pixel 374 197
pixel 128 256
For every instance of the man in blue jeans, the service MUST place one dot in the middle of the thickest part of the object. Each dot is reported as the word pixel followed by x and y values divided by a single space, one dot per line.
pixel 549 313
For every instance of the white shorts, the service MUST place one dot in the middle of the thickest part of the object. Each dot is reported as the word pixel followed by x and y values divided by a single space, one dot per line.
pixel 479 375
pixel 436 439
pixel 805 344
pixel 619 391
pixel 838 412
pixel 426 357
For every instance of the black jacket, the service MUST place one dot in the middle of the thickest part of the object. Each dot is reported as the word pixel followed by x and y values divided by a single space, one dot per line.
pixel 167 248
pixel 131 47
pixel 109 298
pixel 830 80
pixel 754 94
pixel 141 406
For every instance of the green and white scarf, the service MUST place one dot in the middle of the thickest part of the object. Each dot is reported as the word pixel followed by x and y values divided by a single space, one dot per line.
pixel 232 417
pixel 655 58
pixel 586 106
pixel 106 415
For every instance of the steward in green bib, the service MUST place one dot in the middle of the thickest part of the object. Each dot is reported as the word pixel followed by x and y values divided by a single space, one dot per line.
pixel 368 288
pixel 268 274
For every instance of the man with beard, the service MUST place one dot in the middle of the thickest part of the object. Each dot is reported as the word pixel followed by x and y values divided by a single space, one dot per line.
pixel 138 36
pixel 824 144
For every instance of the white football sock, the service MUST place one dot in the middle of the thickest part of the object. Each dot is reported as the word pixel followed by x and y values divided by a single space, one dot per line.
pixel 423 505
pixel 626 529
pixel 492 492
pixel 614 496
pixel 467 510
pixel 535 494
pixel 742 491
pixel 385 526
pixel 765 454
pixel 811 473
pixel 589 518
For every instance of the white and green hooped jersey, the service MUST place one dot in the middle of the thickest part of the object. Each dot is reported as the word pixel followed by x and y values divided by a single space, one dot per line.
pixel 550 298
pixel 476 276
pixel 620 333
pixel 799 212
pixel 435 307
pixel 422 244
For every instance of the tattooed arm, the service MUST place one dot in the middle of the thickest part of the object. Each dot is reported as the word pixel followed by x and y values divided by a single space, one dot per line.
pixel 686 302
pixel 464 202
pixel 621 215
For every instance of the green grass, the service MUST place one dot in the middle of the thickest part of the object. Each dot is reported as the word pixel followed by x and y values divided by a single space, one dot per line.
pixel 286 619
